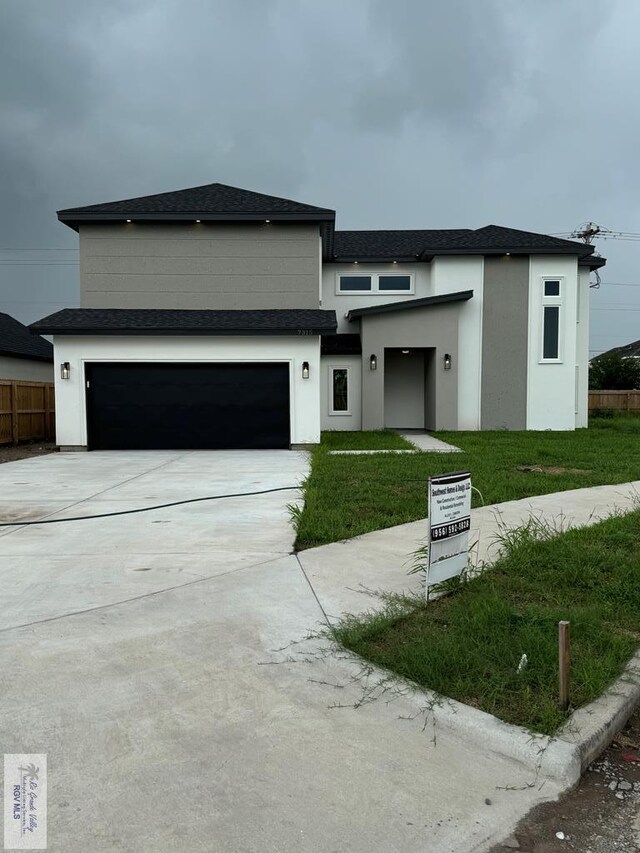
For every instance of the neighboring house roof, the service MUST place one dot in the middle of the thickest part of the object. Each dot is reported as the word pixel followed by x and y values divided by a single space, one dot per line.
pixel 340 345
pixel 211 201
pixel 16 341
pixel 425 302
pixel 121 321
pixel 631 350
pixel 412 245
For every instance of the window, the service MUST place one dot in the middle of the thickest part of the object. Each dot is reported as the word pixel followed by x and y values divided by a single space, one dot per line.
pixel 375 283
pixel 394 282
pixel 339 390
pixel 551 315
pixel 355 283
pixel 551 332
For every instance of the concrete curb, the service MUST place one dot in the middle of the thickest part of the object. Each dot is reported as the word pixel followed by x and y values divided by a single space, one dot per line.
pixel 563 757
pixel 590 729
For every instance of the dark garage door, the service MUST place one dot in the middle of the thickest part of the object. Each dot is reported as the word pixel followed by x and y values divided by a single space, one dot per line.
pixel 187 406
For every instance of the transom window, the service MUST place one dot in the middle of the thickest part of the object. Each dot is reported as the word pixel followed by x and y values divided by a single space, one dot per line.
pixel 375 283
pixel 339 391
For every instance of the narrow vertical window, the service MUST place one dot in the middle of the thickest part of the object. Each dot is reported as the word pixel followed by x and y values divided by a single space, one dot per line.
pixel 339 391
pixel 552 300
pixel 551 332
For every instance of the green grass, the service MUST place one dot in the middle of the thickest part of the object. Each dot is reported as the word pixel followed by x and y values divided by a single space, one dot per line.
pixel 382 439
pixel 468 645
pixel 349 495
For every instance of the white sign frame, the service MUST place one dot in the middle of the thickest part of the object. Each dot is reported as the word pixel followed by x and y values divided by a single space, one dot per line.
pixel 449 526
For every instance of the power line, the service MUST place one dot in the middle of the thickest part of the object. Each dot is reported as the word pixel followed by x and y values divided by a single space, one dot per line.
pixel 35 249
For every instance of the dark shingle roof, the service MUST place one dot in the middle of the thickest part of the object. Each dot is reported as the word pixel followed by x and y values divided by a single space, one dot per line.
pixel 16 340
pixel 424 302
pixel 340 345
pixel 406 245
pixel 631 350
pixel 393 245
pixel 121 321
pixel 213 201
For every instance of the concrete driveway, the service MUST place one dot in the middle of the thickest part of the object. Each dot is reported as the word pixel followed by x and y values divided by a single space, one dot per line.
pixel 163 662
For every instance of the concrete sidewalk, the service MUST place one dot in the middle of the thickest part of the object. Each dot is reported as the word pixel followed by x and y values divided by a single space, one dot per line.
pixel 168 665
pixel 344 574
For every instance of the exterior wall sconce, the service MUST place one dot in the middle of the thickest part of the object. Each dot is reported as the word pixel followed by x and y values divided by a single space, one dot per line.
pixel 447 361
pixel 373 362
pixel 65 370
pixel 305 369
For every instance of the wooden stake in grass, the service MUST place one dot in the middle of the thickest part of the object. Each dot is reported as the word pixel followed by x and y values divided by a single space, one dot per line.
pixel 563 659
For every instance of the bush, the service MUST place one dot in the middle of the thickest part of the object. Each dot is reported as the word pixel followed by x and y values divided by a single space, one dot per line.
pixel 612 372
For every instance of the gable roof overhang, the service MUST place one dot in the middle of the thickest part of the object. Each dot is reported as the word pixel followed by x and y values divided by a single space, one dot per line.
pixel 424 302
pixel 169 322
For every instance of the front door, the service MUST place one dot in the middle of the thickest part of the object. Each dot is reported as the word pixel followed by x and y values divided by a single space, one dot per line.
pixel 404 387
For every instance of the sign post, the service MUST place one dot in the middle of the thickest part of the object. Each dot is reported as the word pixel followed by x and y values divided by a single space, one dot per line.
pixel 449 526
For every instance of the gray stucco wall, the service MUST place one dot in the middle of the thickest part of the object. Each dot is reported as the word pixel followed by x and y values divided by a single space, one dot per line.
pixel 207 265
pixel 25 368
pixel 505 323
pixel 435 327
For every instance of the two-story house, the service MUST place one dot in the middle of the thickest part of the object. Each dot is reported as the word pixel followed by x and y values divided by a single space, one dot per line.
pixel 216 317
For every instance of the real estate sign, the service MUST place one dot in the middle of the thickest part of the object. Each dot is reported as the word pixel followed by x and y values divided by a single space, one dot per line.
pixel 449 525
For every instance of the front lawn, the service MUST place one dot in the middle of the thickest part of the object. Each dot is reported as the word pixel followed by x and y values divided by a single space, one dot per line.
pixel 468 645
pixel 349 495
pixel 382 439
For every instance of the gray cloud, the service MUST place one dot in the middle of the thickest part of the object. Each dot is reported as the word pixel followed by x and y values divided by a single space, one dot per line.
pixel 406 114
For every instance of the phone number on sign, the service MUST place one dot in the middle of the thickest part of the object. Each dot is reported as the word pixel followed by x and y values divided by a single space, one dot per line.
pixel 443 531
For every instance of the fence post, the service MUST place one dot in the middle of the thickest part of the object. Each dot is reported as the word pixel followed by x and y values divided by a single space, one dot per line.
pixel 563 664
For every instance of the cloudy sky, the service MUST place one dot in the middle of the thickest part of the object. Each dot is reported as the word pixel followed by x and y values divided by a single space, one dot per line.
pixel 405 114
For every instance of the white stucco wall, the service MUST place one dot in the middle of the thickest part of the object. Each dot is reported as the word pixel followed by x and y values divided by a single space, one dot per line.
pixel 341 303
pixel 353 420
pixel 582 350
pixel 551 387
pixel 71 423
pixel 450 274
pixel 25 368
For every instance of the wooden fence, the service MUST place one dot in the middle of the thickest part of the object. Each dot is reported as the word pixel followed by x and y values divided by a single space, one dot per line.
pixel 616 401
pixel 27 411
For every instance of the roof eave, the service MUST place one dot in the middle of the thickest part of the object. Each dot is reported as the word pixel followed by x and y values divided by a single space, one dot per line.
pixel 425 302
pixel 74 220
pixel 594 263
pixel 186 333
pixel 374 259
pixel 513 250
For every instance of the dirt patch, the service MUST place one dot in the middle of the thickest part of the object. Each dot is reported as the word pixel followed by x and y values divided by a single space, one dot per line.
pixel 601 815
pixel 550 469
pixel 11 453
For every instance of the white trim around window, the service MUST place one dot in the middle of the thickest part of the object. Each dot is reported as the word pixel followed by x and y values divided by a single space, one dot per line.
pixel 335 394
pixel 551 317
pixel 366 283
